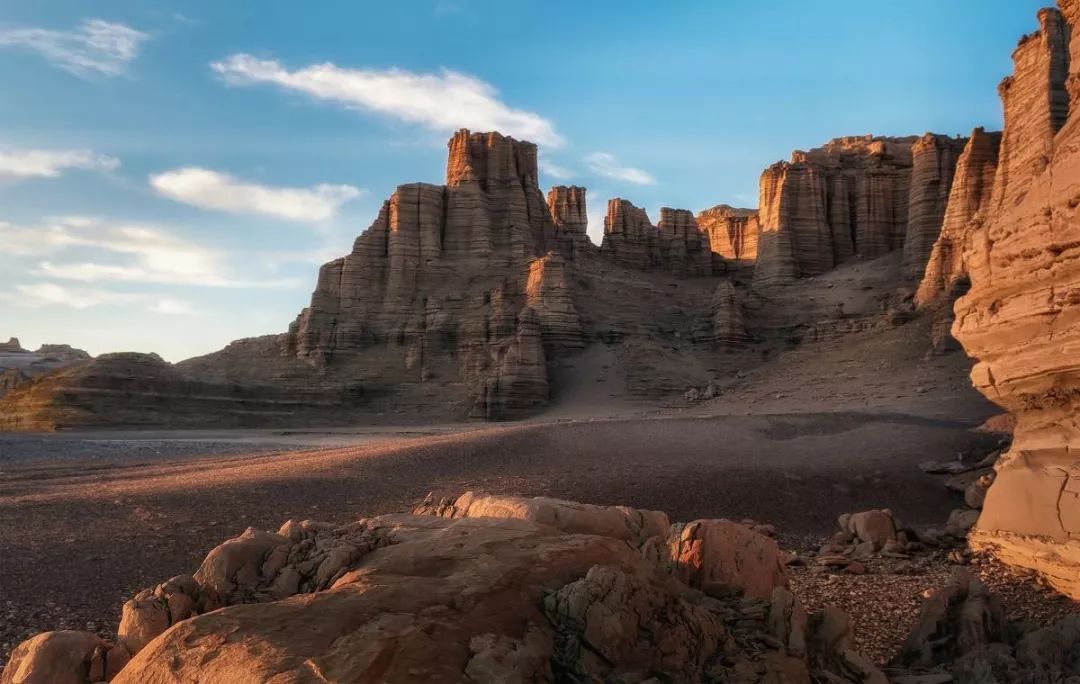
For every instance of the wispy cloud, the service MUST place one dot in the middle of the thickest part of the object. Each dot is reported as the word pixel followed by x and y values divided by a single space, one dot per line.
pixel 95 46
pixel 443 101
pixel 16 163
pixel 150 254
pixel 43 294
pixel 208 189
pixel 554 170
pixel 608 166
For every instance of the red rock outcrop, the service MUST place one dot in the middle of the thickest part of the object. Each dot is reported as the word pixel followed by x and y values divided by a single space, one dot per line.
pixel 630 239
pixel 856 196
pixel 1021 317
pixel 934 159
pixel 684 248
pixel 733 236
pixel 478 589
pixel 570 216
pixel 972 188
pixel 728 325
pixel 433 290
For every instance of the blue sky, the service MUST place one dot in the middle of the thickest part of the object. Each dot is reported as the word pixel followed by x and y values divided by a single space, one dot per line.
pixel 172 173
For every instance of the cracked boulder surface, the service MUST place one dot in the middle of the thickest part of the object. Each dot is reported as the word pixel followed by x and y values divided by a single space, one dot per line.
pixel 477 589
pixel 1021 317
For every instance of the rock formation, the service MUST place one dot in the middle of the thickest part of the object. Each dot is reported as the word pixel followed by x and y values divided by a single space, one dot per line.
pixel 479 589
pixel 934 159
pixel 630 239
pixel 19 366
pixel 570 216
pixel 129 389
pixel 1021 317
pixel 972 187
pixel 684 248
pixel 856 196
pixel 733 236
pixel 728 326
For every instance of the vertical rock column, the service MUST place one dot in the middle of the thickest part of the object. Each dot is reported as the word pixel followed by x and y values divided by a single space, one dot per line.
pixel 1021 317
pixel 934 160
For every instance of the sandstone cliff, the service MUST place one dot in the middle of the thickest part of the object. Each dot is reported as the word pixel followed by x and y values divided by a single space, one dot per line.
pixel 856 196
pixel 19 366
pixel 433 289
pixel 630 239
pixel 1021 317
pixel 733 236
pixel 972 187
pixel 570 216
pixel 934 159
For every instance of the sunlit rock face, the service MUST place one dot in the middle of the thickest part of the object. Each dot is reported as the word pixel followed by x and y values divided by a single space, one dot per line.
pixel 854 197
pixel 1021 317
pixel 733 236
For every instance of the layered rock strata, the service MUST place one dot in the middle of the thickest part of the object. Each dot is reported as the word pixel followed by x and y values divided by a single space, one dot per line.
pixel 934 160
pixel 129 389
pixel 684 248
pixel 856 196
pixel 1021 317
pixel 479 589
pixel 630 238
pixel 969 199
pixel 733 236
pixel 570 216
pixel 439 284
pixel 19 366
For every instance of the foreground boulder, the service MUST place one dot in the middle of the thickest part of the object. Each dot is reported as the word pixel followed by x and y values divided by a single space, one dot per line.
pixel 475 589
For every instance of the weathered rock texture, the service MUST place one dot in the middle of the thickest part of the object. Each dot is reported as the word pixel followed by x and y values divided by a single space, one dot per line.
pixel 1021 317
pixel 972 188
pixel 733 236
pixel 630 238
pixel 570 216
pixel 934 159
pixel 437 287
pixel 478 589
pixel 684 248
pixel 856 196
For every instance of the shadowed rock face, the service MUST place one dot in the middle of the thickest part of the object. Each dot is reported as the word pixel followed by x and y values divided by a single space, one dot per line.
pixel 482 589
pixel 1021 317
pixel 570 216
pixel 630 239
pixel 934 159
pixel 969 199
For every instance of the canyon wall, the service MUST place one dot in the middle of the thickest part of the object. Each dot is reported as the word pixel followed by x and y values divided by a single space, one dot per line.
pixel 733 236
pixel 436 287
pixel 570 216
pixel 857 196
pixel 1021 317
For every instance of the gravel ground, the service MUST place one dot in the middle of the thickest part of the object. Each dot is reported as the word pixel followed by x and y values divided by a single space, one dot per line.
pixel 884 604
pixel 87 526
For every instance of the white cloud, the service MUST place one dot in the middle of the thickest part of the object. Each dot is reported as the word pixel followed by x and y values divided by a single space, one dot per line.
pixel 608 166
pixel 151 254
pixel 443 101
pixel 16 163
pixel 208 189
pixel 554 170
pixel 38 295
pixel 96 46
